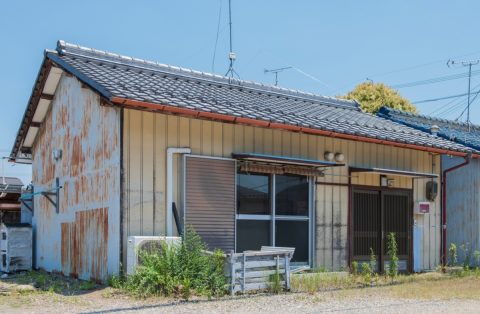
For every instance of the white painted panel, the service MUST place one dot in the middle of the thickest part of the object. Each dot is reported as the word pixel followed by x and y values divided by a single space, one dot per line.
pixel 52 81
pixel 30 137
pixel 41 111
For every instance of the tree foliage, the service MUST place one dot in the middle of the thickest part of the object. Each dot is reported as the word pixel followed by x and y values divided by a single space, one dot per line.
pixel 372 96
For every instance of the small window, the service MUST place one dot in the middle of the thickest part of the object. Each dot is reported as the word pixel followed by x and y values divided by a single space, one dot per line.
pixel 291 195
pixel 252 234
pixel 4 235
pixel 291 233
pixel 253 194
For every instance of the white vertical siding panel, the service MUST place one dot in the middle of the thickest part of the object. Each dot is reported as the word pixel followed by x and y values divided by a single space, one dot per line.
pixel 227 140
pixel 159 217
pixel 135 174
pixel 217 139
pixel 220 139
pixel 147 173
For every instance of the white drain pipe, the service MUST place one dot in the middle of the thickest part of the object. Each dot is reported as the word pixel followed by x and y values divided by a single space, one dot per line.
pixel 170 152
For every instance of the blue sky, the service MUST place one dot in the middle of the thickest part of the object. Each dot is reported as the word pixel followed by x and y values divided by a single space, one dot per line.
pixel 332 45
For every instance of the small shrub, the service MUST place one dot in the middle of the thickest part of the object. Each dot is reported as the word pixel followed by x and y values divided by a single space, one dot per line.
pixel 476 256
pixel 373 260
pixel 87 285
pixel 186 289
pixel 116 281
pixel 467 255
pixel 275 285
pixel 452 252
pixel 355 268
pixel 180 270
pixel 367 274
pixel 392 252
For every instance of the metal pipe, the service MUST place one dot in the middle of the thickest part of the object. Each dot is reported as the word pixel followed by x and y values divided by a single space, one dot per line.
pixel 444 205
pixel 170 152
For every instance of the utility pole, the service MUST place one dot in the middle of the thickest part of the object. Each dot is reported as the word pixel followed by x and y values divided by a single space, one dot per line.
pixel 276 71
pixel 469 64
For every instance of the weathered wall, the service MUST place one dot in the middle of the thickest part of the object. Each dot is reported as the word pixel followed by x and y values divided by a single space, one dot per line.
pixel 463 205
pixel 83 238
pixel 147 136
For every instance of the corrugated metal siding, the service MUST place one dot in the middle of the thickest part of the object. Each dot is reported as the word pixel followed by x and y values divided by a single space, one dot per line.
pixel 210 200
pixel 463 204
pixel 147 136
pixel 89 136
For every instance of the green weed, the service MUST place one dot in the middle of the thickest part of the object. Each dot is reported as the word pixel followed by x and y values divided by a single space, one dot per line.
pixel 177 270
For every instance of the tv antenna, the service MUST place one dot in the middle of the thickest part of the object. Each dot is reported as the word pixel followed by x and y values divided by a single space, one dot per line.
pixel 468 63
pixel 276 71
pixel 231 55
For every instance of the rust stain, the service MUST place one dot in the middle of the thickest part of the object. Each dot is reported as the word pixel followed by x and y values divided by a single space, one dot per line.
pixel 77 159
pixel 85 244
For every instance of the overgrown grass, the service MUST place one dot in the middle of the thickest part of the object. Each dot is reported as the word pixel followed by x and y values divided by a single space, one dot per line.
pixel 181 270
pixel 37 281
pixel 314 282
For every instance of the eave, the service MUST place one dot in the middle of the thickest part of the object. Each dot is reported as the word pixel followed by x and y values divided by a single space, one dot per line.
pixel 134 104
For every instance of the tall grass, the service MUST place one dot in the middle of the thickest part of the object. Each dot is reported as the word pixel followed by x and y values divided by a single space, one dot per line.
pixel 177 270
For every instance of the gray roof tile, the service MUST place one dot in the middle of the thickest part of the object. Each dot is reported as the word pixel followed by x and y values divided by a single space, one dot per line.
pixel 456 131
pixel 120 76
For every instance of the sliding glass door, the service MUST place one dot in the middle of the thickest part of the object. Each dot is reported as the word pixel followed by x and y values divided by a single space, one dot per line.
pixel 274 210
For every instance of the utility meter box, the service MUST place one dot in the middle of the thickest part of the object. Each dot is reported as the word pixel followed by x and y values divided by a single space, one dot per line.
pixel 422 208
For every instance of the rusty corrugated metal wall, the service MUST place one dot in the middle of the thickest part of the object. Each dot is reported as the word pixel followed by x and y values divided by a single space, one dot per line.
pixel 463 205
pixel 83 239
pixel 147 136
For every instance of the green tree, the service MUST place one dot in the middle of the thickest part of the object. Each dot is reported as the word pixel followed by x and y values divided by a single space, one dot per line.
pixel 372 96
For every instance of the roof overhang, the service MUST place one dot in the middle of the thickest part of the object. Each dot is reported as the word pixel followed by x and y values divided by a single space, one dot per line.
pixel 168 109
pixel 34 116
pixel 285 160
pixel 411 174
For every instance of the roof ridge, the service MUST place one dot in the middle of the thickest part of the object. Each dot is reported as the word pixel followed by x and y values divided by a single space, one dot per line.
pixel 69 48
pixel 419 115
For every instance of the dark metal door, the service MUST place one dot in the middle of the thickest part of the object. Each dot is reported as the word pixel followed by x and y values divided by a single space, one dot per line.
pixel 397 212
pixel 376 213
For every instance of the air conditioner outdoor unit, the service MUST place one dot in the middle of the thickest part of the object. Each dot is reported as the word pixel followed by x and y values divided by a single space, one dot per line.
pixel 147 243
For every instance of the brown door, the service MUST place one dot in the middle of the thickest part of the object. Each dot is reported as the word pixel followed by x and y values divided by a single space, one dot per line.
pixel 376 213
pixel 210 200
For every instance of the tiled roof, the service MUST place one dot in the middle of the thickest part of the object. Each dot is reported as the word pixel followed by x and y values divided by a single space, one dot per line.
pixel 120 77
pixel 458 132
pixel 11 181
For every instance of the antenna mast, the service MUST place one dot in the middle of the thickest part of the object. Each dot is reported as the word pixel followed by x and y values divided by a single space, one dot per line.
pixel 276 71
pixel 231 55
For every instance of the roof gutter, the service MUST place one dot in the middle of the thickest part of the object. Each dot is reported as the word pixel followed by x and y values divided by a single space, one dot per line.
pixel 444 205
pixel 274 125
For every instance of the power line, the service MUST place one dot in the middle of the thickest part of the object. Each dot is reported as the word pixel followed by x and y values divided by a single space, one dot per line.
pixel 216 37
pixel 442 108
pixel 439 98
pixel 435 80
pixel 473 99
pixel 413 67
pixel 469 63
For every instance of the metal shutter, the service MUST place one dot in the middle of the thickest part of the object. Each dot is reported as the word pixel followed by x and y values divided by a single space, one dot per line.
pixel 210 200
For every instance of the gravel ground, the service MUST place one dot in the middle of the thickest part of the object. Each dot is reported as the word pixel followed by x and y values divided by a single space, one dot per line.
pixel 428 293
pixel 306 303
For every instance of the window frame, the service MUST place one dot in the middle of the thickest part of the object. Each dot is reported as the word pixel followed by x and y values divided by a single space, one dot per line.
pixel 273 217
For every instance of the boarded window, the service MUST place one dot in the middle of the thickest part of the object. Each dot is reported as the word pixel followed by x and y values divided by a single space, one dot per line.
pixel 210 200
